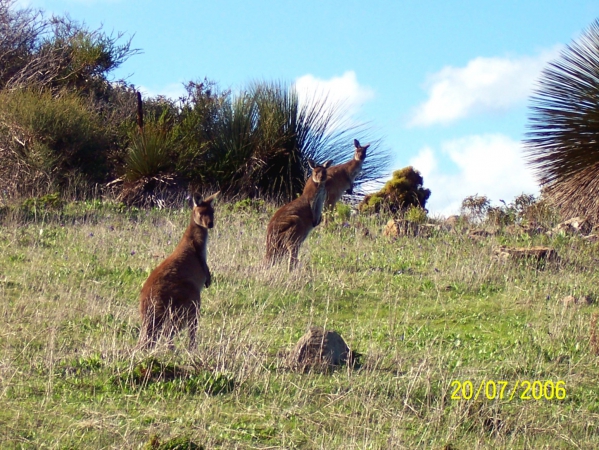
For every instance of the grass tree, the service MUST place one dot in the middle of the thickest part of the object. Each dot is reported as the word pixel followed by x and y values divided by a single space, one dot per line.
pixel 286 132
pixel 257 142
pixel 562 143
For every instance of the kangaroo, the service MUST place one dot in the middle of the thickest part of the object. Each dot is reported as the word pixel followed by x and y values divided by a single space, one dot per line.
pixel 340 178
pixel 171 294
pixel 292 223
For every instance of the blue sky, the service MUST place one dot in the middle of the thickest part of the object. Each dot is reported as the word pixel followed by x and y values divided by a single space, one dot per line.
pixel 445 84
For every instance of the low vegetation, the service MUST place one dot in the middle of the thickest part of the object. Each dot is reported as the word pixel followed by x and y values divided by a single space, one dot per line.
pixel 403 191
pixel 421 313
pixel 67 126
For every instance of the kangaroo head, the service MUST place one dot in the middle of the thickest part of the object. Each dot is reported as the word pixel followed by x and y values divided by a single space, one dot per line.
pixel 319 172
pixel 360 153
pixel 203 212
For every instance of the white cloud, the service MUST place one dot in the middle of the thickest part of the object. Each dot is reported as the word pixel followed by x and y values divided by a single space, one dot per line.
pixel 343 91
pixel 172 91
pixel 490 165
pixel 485 84
pixel 425 162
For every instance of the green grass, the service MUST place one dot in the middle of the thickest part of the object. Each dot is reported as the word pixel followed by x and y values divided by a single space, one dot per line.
pixel 422 312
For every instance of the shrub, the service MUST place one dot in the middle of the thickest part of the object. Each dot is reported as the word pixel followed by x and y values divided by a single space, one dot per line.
pixel 402 191
pixel 415 214
pixel 49 140
pixel 63 125
pixel 343 211
pixel 249 205
pixel 524 209
pixel 475 207
pixel 55 53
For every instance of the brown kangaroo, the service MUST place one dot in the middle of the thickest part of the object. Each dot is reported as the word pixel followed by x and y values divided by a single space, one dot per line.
pixel 171 294
pixel 292 223
pixel 340 178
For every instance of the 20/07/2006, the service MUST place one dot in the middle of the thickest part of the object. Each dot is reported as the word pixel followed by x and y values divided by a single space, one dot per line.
pixel 530 390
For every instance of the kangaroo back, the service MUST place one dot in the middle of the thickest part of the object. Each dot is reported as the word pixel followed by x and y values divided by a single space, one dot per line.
pixel 292 223
pixel 170 297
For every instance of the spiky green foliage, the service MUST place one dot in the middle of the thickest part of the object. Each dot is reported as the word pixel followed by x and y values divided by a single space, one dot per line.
pixel 403 191
pixel 230 152
pixel 293 130
pixel 148 154
pixel 563 142
pixel 257 142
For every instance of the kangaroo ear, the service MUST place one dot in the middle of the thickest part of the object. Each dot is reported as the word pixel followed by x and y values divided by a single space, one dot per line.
pixel 366 146
pixel 196 199
pixel 327 164
pixel 212 197
pixel 356 143
pixel 312 164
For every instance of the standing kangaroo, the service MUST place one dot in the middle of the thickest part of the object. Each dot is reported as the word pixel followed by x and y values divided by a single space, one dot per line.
pixel 171 294
pixel 340 178
pixel 292 223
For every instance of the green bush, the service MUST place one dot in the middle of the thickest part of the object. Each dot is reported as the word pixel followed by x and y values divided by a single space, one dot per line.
pixel 415 214
pixel 55 53
pixel 403 191
pixel 343 211
pixel 55 140
pixel 148 154
pixel 249 205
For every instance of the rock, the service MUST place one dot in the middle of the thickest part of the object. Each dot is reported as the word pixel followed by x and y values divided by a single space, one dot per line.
pixel 570 300
pixel 480 234
pixel 428 229
pixel 586 300
pixel 537 253
pixel 452 221
pixel 576 225
pixel 519 229
pixel 399 227
pixel 320 348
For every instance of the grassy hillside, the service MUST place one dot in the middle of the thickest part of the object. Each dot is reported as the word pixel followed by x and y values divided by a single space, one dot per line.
pixel 423 312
